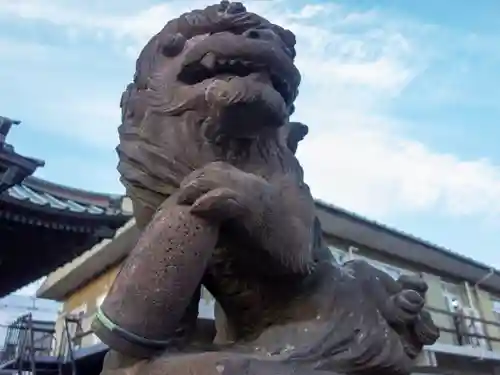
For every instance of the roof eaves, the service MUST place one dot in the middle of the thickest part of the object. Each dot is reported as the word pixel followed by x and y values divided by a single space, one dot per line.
pixel 407 237
pixel 75 273
pixel 43 194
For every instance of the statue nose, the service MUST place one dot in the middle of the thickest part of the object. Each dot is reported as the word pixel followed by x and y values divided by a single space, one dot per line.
pixel 268 35
pixel 261 34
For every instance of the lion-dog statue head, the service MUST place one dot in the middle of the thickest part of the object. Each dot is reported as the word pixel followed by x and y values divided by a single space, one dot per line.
pixel 213 84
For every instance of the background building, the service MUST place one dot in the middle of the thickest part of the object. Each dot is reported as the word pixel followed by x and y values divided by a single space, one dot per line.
pixel 463 296
pixel 43 225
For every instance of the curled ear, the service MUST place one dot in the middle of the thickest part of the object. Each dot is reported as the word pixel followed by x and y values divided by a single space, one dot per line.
pixel 296 133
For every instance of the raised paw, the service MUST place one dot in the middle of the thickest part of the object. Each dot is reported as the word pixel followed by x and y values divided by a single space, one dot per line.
pixel 406 306
pixel 414 324
pixel 413 283
pixel 201 181
pixel 221 191
pixel 401 303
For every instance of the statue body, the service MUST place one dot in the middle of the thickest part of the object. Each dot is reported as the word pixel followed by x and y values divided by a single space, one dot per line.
pixel 207 154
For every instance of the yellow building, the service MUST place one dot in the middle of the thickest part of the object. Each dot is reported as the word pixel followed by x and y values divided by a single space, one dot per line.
pixel 463 296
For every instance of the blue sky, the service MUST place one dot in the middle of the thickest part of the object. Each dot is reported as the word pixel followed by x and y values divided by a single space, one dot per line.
pixel 402 99
pixel 13 306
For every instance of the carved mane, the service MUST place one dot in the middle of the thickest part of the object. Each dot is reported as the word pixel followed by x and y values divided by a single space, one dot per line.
pixel 146 168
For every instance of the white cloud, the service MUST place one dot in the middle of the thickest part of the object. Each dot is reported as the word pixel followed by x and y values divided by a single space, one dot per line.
pixel 95 118
pixel 353 65
pixel 379 173
pixel 310 10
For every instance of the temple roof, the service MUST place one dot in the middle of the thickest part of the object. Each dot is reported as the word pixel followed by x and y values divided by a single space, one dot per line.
pixel 44 225
pixel 43 195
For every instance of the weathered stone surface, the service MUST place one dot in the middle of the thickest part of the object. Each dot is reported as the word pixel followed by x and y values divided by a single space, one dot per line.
pixel 207 154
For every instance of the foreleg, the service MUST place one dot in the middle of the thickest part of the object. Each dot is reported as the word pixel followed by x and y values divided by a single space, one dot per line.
pixel 154 297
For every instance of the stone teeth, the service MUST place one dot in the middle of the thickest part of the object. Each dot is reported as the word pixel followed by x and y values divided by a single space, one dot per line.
pixel 209 61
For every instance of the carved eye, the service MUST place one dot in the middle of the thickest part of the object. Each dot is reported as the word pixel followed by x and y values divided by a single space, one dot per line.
pixel 172 44
pixel 261 34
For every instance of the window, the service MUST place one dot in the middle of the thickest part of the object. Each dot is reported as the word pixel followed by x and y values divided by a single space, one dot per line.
pixel 455 296
pixel 496 308
pixel 392 271
pixel 339 254
pixel 342 256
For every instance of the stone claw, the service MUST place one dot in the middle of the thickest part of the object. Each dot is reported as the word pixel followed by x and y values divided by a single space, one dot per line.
pixel 218 204
pixel 213 176
pixel 406 306
pixel 425 329
pixel 191 192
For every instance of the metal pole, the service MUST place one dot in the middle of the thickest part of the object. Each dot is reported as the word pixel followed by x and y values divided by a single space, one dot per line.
pixel 32 344
pixel 70 347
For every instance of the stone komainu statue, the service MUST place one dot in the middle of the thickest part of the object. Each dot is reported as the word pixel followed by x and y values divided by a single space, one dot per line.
pixel 207 154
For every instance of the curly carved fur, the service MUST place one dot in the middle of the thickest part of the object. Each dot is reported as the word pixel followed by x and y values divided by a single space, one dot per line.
pixel 158 117
pixel 174 123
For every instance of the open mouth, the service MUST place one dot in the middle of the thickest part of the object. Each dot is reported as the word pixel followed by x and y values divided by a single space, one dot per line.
pixel 210 67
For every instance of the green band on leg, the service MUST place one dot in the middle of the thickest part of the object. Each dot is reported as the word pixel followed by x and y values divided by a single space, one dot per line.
pixel 129 336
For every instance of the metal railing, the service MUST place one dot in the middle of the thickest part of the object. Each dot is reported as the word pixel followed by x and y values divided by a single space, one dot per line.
pixel 73 334
pixel 31 344
pixel 67 343
pixel 467 330
pixel 25 340
pixel 28 340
